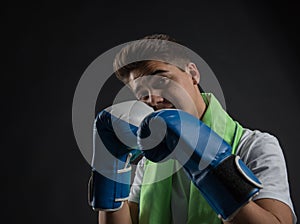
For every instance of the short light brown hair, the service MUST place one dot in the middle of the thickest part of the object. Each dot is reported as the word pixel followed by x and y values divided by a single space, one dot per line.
pixel 137 54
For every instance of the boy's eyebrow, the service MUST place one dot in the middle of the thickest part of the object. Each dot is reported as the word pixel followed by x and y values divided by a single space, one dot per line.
pixel 158 71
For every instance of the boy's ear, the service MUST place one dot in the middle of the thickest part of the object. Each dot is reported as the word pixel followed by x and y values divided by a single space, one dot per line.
pixel 192 69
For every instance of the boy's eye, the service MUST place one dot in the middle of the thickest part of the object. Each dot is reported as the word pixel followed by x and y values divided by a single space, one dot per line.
pixel 161 82
pixel 156 82
pixel 142 95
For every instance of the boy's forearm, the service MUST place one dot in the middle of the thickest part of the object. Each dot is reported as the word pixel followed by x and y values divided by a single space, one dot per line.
pixel 263 211
pixel 120 216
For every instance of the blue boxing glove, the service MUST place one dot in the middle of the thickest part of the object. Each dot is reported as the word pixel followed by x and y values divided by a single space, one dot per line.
pixel 222 178
pixel 115 146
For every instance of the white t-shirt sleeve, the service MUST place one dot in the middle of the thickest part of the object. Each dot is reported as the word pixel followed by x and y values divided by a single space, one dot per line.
pixel 135 189
pixel 262 153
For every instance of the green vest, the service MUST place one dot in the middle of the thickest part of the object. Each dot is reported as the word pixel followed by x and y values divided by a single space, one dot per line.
pixel 155 198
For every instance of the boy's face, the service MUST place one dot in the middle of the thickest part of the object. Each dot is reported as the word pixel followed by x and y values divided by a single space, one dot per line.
pixel 163 86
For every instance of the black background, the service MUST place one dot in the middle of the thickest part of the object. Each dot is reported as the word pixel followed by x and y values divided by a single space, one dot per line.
pixel 252 47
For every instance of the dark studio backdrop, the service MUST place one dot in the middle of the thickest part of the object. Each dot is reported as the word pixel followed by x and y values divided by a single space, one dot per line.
pixel 252 47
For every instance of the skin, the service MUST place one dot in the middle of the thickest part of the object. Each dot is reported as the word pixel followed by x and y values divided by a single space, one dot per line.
pixel 167 86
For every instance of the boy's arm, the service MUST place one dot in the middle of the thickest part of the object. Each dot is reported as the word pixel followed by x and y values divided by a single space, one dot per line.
pixel 134 212
pixel 128 214
pixel 115 146
pixel 264 211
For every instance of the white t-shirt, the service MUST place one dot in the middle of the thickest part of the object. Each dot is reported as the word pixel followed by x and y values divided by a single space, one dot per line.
pixel 260 151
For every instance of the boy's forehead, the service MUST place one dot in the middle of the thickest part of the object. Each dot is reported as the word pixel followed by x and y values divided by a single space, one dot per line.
pixel 151 67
